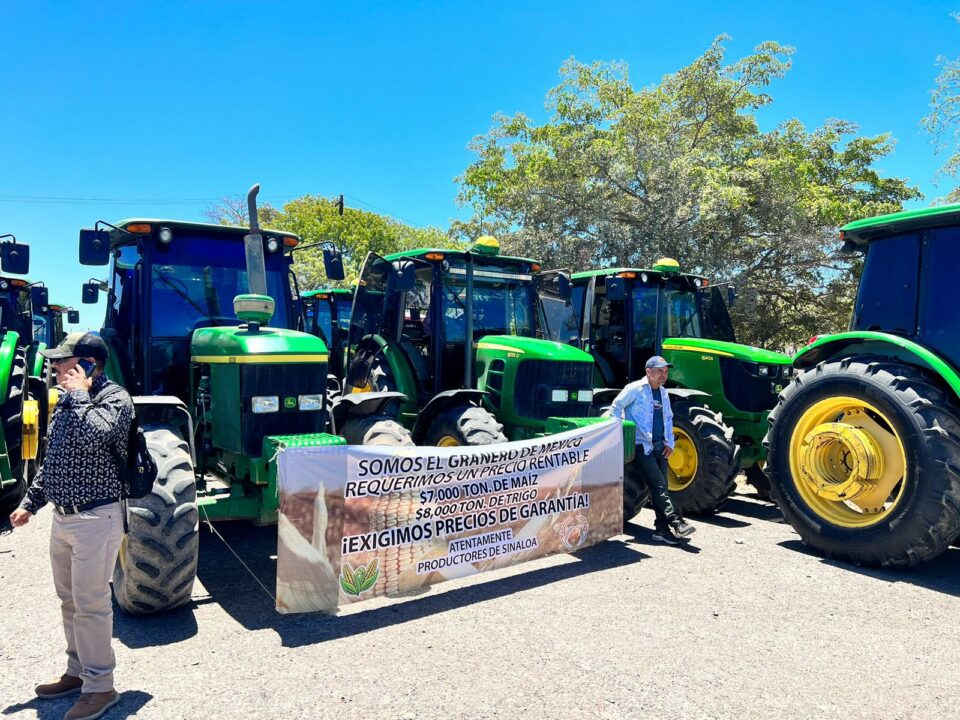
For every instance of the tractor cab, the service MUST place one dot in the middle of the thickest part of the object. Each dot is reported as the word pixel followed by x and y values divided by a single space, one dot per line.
pixel 168 279
pixel 449 327
pixel 326 314
pixel 48 326
pixel 16 308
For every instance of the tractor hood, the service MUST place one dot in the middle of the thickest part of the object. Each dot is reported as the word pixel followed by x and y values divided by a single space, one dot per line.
pixel 725 349
pixel 267 345
pixel 532 348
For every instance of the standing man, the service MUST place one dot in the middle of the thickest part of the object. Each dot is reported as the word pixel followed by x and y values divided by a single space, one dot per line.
pixel 80 477
pixel 647 404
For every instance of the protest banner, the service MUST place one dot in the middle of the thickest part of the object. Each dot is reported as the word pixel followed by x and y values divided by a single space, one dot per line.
pixel 362 521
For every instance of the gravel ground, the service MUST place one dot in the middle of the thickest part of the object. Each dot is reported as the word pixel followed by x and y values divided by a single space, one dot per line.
pixel 744 622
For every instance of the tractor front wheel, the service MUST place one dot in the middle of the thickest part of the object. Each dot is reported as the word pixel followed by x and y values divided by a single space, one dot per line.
pixel 157 563
pixel 864 461
pixel 703 466
pixel 465 425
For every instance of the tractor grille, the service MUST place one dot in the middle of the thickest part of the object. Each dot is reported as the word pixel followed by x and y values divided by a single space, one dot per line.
pixel 746 389
pixel 536 379
pixel 285 381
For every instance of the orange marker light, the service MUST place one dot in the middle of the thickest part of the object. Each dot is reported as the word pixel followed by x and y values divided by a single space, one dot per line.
pixel 535 267
pixel 290 241
pixel 434 256
pixel 627 275
pixel 139 228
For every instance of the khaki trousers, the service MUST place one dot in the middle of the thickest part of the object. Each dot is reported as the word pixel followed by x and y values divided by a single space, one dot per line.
pixel 83 550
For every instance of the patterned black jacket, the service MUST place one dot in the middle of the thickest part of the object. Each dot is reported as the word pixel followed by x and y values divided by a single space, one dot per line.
pixel 79 466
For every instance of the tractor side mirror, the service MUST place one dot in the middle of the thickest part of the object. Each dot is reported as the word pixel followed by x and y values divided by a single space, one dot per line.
pixel 73 316
pixel 333 263
pixel 91 293
pixel 564 288
pixel 403 278
pixel 39 297
pixel 731 295
pixel 94 247
pixel 616 288
pixel 15 258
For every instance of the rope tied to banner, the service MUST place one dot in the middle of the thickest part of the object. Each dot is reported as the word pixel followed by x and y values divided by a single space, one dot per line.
pixel 236 555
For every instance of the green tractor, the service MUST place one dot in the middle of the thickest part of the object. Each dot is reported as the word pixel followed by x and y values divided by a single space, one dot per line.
pixel 326 314
pixel 20 413
pixel 622 316
pixel 215 388
pixel 48 325
pixel 458 333
pixel 863 449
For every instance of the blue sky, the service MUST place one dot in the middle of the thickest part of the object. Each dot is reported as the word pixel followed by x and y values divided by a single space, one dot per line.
pixel 113 110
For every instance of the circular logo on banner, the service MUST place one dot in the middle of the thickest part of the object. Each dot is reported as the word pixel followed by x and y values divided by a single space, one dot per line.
pixel 573 532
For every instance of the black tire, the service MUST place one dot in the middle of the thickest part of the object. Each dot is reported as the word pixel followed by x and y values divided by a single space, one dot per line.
pixel 11 416
pixel 158 558
pixel 757 477
pixel 715 477
pixel 636 494
pixel 465 425
pixel 926 417
pixel 376 430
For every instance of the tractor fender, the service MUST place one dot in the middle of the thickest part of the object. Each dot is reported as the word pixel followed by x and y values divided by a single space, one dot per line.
pixel 439 403
pixel 868 342
pixel 365 403
pixel 685 393
pixel 166 410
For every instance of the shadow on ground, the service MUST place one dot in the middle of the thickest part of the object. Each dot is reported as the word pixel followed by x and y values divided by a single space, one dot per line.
pixel 942 574
pixel 130 703
pixel 231 586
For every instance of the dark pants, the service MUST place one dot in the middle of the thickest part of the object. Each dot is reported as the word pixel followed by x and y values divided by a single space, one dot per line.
pixel 653 469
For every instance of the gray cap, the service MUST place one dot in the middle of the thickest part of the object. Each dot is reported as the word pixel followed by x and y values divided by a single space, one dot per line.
pixel 78 344
pixel 658 362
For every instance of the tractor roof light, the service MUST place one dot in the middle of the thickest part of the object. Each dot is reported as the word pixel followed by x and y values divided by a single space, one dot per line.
pixel 535 267
pixel 290 241
pixel 139 228
pixel 4 284
pixel 667 265
pixel 434 256
pixel 486 245
pixel 272 244
pixel 17 282
pixel 644 277
pixel 165 235
pixel 698 282
pixel 628 275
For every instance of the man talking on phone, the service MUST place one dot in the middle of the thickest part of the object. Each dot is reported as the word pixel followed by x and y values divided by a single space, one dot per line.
pixel 81 480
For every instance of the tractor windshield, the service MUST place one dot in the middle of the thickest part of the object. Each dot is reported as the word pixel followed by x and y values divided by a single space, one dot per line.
pixel 504 303
pixel 194 280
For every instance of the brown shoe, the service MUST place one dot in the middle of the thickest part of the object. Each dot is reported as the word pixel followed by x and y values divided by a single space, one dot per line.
pixel 66 685
pixel 92 705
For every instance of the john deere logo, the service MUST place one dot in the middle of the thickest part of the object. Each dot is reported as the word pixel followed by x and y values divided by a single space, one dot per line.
pixel 290 403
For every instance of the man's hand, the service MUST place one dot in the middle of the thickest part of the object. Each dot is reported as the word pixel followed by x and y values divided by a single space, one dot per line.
pixel 75 379
pixel 20 517
pixel 667 451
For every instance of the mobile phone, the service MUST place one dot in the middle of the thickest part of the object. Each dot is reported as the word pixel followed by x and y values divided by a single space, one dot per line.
pixel 86 366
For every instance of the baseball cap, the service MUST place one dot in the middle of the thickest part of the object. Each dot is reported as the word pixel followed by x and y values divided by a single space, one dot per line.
pixel 78 344
pixel 658 362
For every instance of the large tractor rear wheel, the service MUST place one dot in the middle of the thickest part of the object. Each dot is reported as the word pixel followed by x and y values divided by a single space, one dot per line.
pixel 864 461
pixel 375 430
pixel 465 425
pixel 703 466
pixel 158 557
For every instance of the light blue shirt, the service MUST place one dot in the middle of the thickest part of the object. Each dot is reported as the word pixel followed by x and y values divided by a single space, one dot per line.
pixel 635 402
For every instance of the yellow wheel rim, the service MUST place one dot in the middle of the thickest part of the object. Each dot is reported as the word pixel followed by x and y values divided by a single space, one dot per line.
pixel 366 387
pixel 682 462
pixel 448 441
pixel 847 461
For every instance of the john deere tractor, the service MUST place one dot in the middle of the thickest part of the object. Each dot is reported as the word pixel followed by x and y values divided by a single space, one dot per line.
pixel 721 391
pixel 19 413
pixel 863 449
pixel 197 323
pixel 48 325
pixel 458 334
pixel 326 314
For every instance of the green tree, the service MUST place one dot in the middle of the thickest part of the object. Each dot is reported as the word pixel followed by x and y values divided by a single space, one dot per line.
pixel 317 219
pixel 943 121
pixel 622 176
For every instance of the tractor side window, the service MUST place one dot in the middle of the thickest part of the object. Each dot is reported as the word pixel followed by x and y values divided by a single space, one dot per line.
pixel 887 298
pixel 940 321
pixel 324 319
pixel 123 291
pixel 645 318
pixel 416 317
pixel 718 323
pixel 368 304
pixel 610 332
pixel 682 317
pixel 560 320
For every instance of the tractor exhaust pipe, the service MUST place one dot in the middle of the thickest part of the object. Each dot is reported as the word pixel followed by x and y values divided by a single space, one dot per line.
pixel 256 269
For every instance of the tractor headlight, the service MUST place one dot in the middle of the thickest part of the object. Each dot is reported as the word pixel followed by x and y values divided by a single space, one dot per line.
pixel 585 396
pixel 266 403
pixel 4 284
pixel 273 244
pixel 763 370
pixel 559 396
pixel 166 235
pixel 310 402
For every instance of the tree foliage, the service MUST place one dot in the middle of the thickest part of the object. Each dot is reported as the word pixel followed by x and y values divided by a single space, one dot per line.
pixel 316 219
pixel 943 121
pixel 619 176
